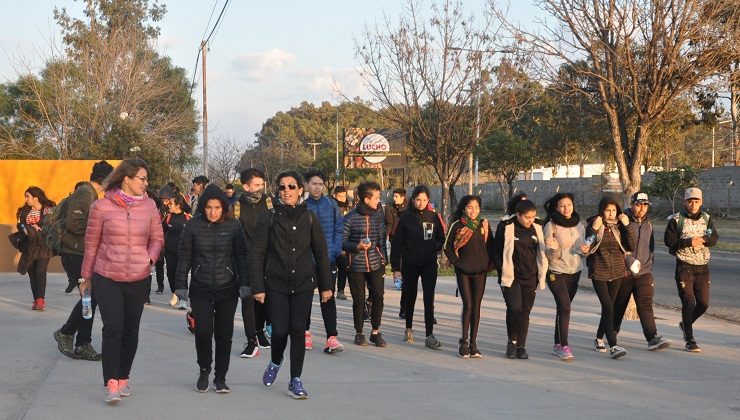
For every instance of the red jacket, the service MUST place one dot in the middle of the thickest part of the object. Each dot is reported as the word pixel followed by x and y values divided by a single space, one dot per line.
pixel 120 242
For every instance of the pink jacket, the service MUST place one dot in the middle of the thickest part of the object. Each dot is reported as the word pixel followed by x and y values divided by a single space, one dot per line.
pixel 120 241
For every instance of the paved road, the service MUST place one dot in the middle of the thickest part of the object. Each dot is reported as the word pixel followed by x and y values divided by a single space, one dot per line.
pixel 401 381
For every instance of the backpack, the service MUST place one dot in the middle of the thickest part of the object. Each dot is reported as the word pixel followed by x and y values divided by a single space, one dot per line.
pixel 54 227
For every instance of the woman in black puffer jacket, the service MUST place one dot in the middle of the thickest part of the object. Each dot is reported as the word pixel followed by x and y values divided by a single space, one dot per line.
pixel 212 247
pixel 289 259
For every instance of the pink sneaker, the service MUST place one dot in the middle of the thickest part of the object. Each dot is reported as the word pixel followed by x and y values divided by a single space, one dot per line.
pixel 309 341
pixel 333 345
pixel 563 352
pixel 123 387
pixel 114 394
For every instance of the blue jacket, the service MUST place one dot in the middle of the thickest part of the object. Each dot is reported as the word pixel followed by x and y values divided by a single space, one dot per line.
pixel 332 223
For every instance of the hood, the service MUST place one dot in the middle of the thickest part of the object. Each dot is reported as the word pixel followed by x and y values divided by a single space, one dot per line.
pixel 213 191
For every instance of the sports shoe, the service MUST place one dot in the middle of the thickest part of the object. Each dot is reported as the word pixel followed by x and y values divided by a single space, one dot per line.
pixel 398 282
pixel 511 350
pixel 262 341
pixel 35 304
pixel 692 347
pixel 173 300
pixel 563 352
pixel 333 345
pixel 268 330
pixel 464 349
pixel 182 304
pixel 202 384
pixel 270 375
pixel 434 320
pixel 147 301
pixel 616 352
pixel 360 340
pixel 296 390
pixel 402 314
pixel 114 395
pixel 599 345
pixel 341 295
pixel 521 353
pixel 219 384
pixel 658 342
pixel 124 388
pixel 87 352
pixel 408 336
pixel 309 341
pixel 250 349
pixel 377 339
pixel 41 305
pixel 65 343
pixel 474 352
pixel 431 342
pixel 160 291
pixel 70 287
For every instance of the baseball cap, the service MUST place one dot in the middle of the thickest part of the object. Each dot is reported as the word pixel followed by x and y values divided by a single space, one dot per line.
pixel 692 192
pixel 640 198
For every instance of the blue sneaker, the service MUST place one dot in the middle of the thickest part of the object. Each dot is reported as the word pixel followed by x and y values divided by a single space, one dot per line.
pixel 398 282
pixel 268 330
pixel 270 375
pixel 296 391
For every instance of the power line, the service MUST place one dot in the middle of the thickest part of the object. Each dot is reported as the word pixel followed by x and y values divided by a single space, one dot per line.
pixel 215 26
pixel 218 25
pixel 218 20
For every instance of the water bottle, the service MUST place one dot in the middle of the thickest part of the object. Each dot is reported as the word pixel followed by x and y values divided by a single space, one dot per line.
pixel 590 240
pixel 86 304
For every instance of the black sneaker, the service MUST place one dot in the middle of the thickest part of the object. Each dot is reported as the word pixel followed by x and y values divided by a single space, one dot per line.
pixel 658 342
pixel 464 349
pixel 434 321
pixel 87 352
pixel 474 352
pixel 148 301
pixel 262 341
pixel 360 340
pixel 70 287
pixel 202 384
pixel 250 349
pixel 65 343
pixel 692 347
pixel 521 353
pixel 377 339
pixel 219 383
pixel 160 291
pixel 510 350
pixel 402 314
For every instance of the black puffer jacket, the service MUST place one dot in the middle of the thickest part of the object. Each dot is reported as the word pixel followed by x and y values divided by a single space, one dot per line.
pixel 215 252
pixel 364 222
pixel 248 213
pixel 419 236
pixel 288 252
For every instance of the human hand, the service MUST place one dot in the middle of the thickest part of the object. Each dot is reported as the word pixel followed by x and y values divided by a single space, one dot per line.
pixel 697 242
pixel 585 248
pixel 259 297
pixel 623 219
pixel 84 286
pixel 597 223
pixel 363 246
pixel 326 295
pixel 552 243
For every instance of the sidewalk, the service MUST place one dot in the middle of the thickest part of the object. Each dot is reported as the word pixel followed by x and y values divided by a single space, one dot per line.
pixel 400 381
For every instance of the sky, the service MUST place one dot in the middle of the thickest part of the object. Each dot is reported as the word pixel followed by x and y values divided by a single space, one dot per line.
pixel 267 56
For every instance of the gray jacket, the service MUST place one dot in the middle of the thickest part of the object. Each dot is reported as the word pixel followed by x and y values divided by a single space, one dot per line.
pixel 645 250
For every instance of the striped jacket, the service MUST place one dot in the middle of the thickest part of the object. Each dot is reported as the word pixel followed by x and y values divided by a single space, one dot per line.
pixel 360 223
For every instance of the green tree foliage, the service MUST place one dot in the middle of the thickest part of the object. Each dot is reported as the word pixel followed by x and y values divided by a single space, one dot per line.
pixel 505 154
pixel 672 183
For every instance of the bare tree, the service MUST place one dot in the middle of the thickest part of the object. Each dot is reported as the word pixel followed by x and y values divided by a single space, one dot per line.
pixel 223 160
pixel 430 76
pixel 638 57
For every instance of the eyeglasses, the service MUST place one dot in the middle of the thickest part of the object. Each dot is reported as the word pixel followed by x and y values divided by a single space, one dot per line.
pixel 142 178
pixel 288 187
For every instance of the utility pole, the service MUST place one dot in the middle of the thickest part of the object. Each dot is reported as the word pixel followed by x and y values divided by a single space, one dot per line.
pixel 336 174
pixel 203 49
pixel 314 148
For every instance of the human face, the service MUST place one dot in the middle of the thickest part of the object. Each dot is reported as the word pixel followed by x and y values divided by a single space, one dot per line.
pixel 229 192
pixel 166 202
pixel 198 189
pixel 174 207
pixel 341 196
pixel 610 213
pixel 31 201
pixel 315 187
pixel 639 210
pixel 398 199
pixel 693 205
pixel 287 195
pixel 565 207
pixel 373 200
pixel 526 219
pixel 472 210
pixel 421 201
pixel 255 184
pixel 135 185
pixel 214 210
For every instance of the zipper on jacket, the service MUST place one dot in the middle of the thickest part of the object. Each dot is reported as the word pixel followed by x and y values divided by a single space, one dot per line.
pixel 367 235
pixel 128 238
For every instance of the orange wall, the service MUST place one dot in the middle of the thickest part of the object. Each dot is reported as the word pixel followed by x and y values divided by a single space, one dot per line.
pixel 56 177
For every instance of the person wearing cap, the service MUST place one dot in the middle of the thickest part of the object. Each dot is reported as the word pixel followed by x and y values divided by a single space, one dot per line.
pixel 639 279
pixel 689 235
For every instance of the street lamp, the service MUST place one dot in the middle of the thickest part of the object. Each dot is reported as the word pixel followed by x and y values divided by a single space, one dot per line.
pixel 478 61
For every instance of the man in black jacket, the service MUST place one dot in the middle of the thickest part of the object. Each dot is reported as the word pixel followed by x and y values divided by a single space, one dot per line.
pixel 252 204
pixel 71 253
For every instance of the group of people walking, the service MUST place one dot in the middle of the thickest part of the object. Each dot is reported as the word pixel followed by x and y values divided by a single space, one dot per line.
pixel 273 253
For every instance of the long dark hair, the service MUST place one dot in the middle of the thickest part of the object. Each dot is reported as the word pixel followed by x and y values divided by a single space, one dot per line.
pixel 460 210
pixel 127 168
pixel 511 204
pixel 179 199
pixel 607 200
pixel 38 193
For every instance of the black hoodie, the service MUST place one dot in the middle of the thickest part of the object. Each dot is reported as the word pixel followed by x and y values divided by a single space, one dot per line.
pixel 215 252
pixel 419 236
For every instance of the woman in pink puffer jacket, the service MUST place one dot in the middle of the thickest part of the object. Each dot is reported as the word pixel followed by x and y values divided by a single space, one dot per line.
pixel 123 238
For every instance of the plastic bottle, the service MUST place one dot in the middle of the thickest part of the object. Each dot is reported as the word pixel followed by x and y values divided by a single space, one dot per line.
pixel 87 305
pixel 590 240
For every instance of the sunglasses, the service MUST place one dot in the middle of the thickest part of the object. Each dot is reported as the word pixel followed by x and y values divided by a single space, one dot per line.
pixel 288 187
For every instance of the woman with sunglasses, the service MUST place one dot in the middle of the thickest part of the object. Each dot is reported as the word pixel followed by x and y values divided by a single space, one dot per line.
pixel 289 258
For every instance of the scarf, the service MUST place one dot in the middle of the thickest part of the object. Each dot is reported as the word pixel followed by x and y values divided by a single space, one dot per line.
pixel 364 210
pixel 469 226
pixel 253 197
pixel 560 220
pixel 125 199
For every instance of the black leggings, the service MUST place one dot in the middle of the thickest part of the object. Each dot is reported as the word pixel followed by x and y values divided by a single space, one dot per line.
pixel 254 316
pixel 76 324
pixel 642 288
pixel 121 305
pixel 411 274
pixel 471 289
pixel 374 280
pixel 563 288
pixel 37 274
pixel 519 302
pixel 607 292
pixel 288 314
pixel 341 272
pixel 171 259
pixel 693 285
pixel 213 321
pixel 328 310
pixel 159 272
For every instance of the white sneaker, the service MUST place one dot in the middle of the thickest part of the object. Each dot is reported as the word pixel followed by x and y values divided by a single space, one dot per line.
pixel 173 300
pixel 616 352
pixel 183 304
